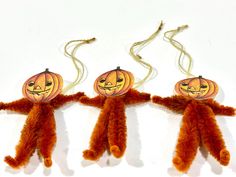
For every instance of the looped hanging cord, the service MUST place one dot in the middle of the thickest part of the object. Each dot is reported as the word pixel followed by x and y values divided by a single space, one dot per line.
pixel 136 48
pixel 79 66
pixel 169 35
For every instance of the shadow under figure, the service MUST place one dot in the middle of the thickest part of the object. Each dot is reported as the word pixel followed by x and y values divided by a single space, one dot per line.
pixel 110 130
pixel 42 97
pixel 199 127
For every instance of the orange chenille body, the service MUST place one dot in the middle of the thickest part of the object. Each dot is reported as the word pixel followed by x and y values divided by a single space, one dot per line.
pixel 199 127
pixel 110 130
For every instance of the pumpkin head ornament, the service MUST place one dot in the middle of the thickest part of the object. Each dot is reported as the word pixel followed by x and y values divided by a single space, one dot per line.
pixel 197 87
pixel 194 100
pixel 42 95
pixel 115 93
pixel 114 83
pixel 43 87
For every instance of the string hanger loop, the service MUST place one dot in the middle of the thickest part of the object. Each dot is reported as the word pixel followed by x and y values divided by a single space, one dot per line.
pixel 78 64
pixel 169 37
pixel 134 52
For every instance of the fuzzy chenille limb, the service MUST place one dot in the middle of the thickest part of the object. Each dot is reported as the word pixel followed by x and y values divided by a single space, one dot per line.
pixel 211 136
pixel 199 126
pixel 47 134
pixel 22 106
pixel 39 131
pixel 188 141
pixel 174 103
pixel 28 140
pixel 97 101
pixel 110 130
pixel 219 109
pixel 61 100
pixel 117 130
pixel 135 97
pixel 98 140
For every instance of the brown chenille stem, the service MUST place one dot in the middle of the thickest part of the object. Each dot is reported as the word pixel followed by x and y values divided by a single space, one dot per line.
pixel 28 140
pixel 175 103
pixel 117 130
pixel 47 134
pixel 220 109
pixel 211 136
pixel 188 141
pixel 97 101
pixel 98 140
pixel 22 106
pixel 134 97
pixel 61 100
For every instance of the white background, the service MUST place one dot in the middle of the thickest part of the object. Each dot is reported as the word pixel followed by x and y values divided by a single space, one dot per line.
pixel 32 36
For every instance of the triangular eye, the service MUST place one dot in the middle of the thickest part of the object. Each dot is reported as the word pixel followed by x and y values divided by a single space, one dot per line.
pixel 184 84
pixel 49 83
pixel 203 86
pixel 102 80
pixel 31 84
pixel 119 80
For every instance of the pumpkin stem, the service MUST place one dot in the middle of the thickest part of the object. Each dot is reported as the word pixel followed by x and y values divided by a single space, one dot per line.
pixel 200 77
pixel 46 70
pixel 118 68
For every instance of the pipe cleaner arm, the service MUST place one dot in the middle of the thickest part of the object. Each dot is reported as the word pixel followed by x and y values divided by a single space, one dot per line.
pixel 175 103
pixel 133 97
pixel 97 101
pixel 220 109
pixel 22 106
pixel 61 99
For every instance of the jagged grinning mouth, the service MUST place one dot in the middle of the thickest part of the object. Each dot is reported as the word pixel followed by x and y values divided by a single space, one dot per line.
pixel 110 88
pixel 192 91
pixel 38 92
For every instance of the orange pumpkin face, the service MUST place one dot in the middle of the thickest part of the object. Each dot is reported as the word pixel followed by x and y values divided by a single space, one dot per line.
pixel 42 87
pixel 197 87
pixel 114 83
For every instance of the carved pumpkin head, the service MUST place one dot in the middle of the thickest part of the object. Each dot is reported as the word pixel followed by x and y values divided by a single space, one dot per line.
pixel 114 83
pixel 42 87
pixel 197 87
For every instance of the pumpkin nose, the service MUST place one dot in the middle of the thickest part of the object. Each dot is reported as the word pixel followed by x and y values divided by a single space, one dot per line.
pixel 37 87
pixel 108 84
pixel 191 88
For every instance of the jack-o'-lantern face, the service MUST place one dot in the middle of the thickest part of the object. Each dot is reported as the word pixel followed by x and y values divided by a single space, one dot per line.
pixel 197 87
pixel 114 83
pixel 42 87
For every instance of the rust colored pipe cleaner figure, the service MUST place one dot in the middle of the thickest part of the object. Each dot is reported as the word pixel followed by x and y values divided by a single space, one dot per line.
pixel 199 126
pixel 42 97
pixel 115 92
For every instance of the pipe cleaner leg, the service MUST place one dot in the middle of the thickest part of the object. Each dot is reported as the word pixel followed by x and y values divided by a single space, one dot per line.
pixel 47 140
pixel 117 130
pixel 188 141
pixel 211 136
pixel 98 141
pixel 26 146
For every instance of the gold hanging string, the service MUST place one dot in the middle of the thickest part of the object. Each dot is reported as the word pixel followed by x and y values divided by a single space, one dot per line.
pixel 79 66
pixel 169 36
pixel 136 48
